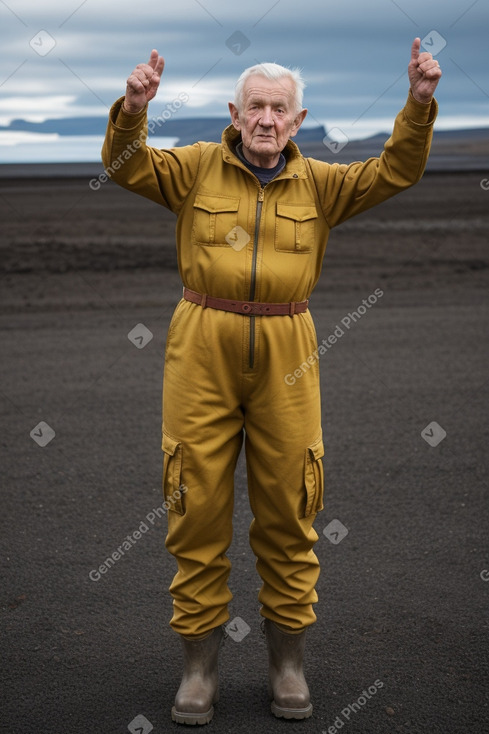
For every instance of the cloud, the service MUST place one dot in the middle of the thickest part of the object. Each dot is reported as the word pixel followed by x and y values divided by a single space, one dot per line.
pixel 34 109
pixel 354 56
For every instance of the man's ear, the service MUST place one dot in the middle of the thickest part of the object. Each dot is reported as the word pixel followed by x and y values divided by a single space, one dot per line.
pixel 233 111
pixel 298 122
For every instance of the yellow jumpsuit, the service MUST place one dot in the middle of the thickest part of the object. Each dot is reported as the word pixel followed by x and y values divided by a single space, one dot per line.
pixel 225 373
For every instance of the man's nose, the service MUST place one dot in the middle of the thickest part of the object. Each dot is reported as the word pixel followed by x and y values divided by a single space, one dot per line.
pixel 266 119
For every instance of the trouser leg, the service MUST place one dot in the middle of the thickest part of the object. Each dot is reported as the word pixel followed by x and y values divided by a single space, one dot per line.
pixel 202 437
pixel 199 534
pixel 285 475
pixel 282 536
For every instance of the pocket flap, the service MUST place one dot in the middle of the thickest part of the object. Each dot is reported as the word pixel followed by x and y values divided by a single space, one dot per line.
pixel 317 449
pixel 169 445
pixel 314 478
pixel 172 474
pixel 216 204
pixel 297 212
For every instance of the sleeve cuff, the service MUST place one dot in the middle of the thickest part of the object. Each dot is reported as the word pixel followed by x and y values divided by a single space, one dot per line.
pixel 420 113
pixel 126 120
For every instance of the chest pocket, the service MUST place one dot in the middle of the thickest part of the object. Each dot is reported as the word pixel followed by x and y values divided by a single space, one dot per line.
pixel 295 227
pixel 214 218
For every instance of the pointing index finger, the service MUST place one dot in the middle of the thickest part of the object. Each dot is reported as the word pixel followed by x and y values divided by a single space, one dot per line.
pixel 153 59
pixel 156 62
pixel 160 65
pixel 415 49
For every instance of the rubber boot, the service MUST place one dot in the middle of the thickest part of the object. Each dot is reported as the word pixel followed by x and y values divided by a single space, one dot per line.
pixel 287 686
pixel 199 688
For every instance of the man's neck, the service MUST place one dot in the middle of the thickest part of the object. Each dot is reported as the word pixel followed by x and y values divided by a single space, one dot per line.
pixel 259 161
pixel 264 175
pixel 242 153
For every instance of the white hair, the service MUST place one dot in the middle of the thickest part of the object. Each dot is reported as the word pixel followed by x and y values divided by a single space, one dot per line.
pixel 271 71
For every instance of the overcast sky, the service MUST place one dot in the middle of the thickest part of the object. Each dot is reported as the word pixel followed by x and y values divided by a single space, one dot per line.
pixel 70 58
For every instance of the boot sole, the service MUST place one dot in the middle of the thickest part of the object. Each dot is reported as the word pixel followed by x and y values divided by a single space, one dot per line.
pixel 192 719
pixel 283 713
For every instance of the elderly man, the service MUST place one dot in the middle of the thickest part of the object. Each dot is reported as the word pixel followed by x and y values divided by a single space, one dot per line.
pixel 253 219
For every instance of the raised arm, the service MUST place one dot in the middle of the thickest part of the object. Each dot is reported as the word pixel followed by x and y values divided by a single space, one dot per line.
pixel 164 176
pixel 347 190
pixel 143 82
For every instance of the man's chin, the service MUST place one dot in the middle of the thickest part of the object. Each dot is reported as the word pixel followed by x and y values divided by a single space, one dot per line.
pixel 265 146
pixel 262 153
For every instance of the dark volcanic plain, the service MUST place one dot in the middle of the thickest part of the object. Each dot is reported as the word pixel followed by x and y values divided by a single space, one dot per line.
pixel 403 598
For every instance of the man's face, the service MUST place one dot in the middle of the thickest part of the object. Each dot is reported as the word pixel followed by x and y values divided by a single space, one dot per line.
pixel 267 119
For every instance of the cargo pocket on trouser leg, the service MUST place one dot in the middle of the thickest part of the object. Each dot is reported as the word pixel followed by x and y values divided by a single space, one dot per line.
pixel 173 489
pixel 314 478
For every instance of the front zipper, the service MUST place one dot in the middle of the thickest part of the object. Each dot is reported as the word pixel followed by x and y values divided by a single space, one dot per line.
pixel 259 205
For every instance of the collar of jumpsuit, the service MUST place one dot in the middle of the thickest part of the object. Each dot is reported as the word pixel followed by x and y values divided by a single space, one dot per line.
pixel 264 175
pixel 294 166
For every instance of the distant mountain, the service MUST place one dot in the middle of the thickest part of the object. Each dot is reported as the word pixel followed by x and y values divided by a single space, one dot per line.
pixel 187 130
pixel 63 126
pixel 463 149
pixel 467 133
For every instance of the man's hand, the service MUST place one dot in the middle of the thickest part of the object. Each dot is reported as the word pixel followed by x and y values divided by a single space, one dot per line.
pixel 143 83
pixel 424 73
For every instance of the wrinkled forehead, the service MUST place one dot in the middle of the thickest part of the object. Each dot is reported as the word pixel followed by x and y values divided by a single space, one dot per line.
pixel 273 90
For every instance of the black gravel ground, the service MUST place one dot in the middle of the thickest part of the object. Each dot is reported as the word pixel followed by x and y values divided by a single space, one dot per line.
pixel 401 643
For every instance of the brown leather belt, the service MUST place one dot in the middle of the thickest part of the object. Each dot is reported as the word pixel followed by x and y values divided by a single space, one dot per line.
pixel 248 308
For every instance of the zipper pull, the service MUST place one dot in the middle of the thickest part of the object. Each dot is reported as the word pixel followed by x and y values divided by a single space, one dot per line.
pixel 261 194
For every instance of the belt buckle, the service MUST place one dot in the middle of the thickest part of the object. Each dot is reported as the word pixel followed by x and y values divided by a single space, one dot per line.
pixel 249 307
